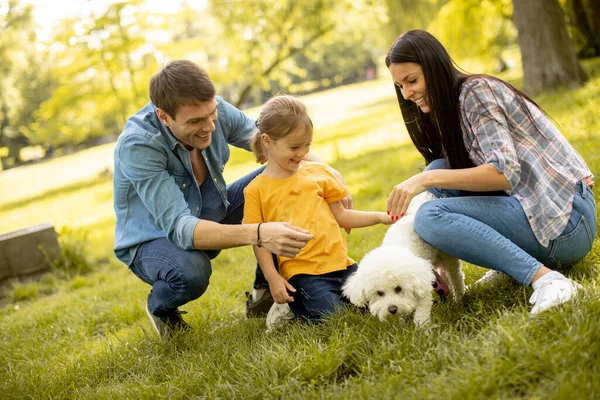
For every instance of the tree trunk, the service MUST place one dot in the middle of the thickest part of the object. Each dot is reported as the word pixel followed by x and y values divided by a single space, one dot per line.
pixel 592 10
pixel 547 52
pixel 583 36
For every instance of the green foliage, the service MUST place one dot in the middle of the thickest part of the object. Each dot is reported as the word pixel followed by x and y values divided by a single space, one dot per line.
pixel 475 29
pixel 22 292
pixel 404 15
pixel 75 260
pixel 262 37
pixel 79 86
pixel 474 32
pixel 17 58
pixel 16 26
pixel 341 57
pixel 102 70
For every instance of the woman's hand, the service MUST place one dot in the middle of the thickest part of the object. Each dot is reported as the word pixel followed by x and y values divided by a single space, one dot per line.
pixel 279 289
pixel 403 193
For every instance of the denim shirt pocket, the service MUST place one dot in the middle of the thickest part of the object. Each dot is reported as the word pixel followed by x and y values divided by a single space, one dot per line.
pixel 183 181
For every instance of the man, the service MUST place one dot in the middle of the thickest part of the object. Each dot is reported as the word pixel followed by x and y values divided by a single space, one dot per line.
pixel 174 210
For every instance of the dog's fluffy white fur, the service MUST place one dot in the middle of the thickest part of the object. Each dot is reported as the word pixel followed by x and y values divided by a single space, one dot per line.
pixel 396 278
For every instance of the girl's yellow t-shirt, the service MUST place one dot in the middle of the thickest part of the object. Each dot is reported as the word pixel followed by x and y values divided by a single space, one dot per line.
pixel 302 200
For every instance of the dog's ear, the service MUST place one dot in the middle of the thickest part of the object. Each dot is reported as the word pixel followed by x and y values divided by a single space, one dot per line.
pixel 355 290
pixel 422 286
pixel 422 291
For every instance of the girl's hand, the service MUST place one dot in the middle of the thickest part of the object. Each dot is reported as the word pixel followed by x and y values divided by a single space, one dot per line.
pixel 279 290
pixel 385 219
pixel 403 193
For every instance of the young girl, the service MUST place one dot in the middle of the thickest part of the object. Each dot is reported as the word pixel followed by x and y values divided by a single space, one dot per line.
pixel 514 195
pixel 307 195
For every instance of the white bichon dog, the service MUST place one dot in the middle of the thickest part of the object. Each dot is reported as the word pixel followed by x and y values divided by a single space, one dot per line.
pixel 396 278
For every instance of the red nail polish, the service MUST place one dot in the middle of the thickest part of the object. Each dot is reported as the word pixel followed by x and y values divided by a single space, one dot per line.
pixel 402 215
pixel 388 213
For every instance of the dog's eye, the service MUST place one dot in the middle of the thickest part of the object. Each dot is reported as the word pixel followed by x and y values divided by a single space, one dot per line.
pixel 397 289
pixel 380 293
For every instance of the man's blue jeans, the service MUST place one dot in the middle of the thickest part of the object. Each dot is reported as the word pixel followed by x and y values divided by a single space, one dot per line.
pixel 179 276
pixel 493 231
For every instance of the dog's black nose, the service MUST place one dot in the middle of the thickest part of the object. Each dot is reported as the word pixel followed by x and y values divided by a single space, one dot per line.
pixel 392 309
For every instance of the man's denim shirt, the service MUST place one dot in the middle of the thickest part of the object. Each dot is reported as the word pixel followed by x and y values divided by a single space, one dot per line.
pixel 155 192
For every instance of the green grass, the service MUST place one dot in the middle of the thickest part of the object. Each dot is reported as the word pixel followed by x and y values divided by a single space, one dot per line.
pixel 86 335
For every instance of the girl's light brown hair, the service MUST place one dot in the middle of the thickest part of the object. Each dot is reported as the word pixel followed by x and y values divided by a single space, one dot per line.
pixel 280 116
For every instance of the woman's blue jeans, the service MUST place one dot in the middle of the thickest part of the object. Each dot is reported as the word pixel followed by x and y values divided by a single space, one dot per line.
pixel 492 231
pixel 179 276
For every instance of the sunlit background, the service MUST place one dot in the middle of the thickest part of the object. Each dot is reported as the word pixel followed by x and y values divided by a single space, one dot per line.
pixel 73 70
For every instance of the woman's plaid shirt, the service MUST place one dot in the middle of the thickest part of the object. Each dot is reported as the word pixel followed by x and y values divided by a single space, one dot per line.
pixel 540 164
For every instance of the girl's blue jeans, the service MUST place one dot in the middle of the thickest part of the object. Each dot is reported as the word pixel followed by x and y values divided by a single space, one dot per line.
pixel 492 230
pixel 317 296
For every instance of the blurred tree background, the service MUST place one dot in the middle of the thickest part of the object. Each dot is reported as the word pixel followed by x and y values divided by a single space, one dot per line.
pixel 76 86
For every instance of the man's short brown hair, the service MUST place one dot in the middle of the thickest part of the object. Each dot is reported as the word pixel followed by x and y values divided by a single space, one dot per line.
pixel 179 83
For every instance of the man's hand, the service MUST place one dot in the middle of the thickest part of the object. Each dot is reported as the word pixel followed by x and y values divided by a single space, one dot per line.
pixel 283 239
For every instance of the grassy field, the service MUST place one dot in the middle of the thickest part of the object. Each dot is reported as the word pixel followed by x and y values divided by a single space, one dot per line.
pixel 81 332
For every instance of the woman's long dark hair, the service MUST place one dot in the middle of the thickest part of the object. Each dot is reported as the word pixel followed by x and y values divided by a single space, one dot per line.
pixel 437 134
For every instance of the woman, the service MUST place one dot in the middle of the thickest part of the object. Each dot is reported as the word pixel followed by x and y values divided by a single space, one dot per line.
pixel 513 194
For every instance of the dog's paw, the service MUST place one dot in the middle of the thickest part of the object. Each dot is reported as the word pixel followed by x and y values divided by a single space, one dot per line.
pixel 422 322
